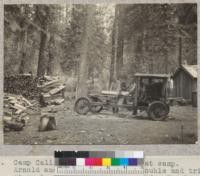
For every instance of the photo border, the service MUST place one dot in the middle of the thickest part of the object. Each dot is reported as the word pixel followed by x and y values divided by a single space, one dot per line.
pixel 156 149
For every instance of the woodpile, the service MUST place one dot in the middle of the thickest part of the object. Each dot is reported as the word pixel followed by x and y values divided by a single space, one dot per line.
pixel 15 112
pixel 52 91
pixel 22 84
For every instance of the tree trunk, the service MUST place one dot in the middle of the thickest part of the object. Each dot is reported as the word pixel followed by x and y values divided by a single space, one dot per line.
pixel 138 52
pixel 83 67
pixel 23 51
pixel 43 16
pixel 42 61
pixel 24 24
pixel 120 39
pixel 113 64
pixel 53 67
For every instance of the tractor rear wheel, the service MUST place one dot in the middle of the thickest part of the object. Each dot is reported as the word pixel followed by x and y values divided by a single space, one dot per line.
pixel 158 111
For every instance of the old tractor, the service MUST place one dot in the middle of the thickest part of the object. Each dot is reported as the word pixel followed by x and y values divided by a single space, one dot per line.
pixel 150 95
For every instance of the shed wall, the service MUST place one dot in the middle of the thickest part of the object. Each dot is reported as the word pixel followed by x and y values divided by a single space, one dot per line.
pixel 184 84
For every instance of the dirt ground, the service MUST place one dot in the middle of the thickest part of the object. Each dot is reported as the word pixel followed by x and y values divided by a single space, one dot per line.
pixel 106 128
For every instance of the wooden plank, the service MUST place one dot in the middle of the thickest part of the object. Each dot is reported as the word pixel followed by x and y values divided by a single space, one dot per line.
pixel 28 102
pixel 50 78
pixel 57 101
pixel 57 90
pixel 48 84
pixel 46 95
pixel 18 107
pixel 19 111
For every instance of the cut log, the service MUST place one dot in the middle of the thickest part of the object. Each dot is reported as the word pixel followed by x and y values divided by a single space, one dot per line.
pixel 46 95
pixel 15 112
pixel 26 75
pixel 7 118
pixel 50 78
pixel 16 126
pixel 19 111
pixel 24 115
pixel 25 100
pixel 57 90
pixel 13 101
pixel 47 123
pixel 10 98
pixel 55 96
pixel 18 107
pixel 59 101
pixel 44 120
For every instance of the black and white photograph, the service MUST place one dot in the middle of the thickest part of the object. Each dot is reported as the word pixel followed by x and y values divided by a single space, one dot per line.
pixel 100 74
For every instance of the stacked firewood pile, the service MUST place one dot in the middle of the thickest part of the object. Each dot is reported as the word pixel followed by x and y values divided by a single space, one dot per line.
pixel 52 91
pixel 15 112
pixel 22 84
pixel 48 90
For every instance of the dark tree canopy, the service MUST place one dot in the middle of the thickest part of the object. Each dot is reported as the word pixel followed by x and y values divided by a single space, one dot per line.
pixel 124 39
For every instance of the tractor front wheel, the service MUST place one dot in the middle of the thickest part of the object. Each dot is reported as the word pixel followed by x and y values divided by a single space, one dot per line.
pixel 82 106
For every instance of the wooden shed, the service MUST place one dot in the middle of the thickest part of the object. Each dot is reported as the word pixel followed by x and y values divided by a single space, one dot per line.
pixel 185 82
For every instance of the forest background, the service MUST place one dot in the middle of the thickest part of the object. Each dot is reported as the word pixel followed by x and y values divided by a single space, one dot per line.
pixel 88 46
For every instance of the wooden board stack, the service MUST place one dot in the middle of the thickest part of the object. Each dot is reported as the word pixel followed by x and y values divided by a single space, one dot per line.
pixel 15 112
pixel 52 91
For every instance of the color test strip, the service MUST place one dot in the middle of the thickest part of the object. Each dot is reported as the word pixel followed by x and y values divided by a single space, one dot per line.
pixel 99 154
pixel 89 162
pixel 132 162
pixel 99 161
pixel 102 154
pixel 67 162
pixel 99 158
pixel 106 161
pixel 129 154
pixel 123 161
pixel 80 161
pixel 115 162
pixel 71 154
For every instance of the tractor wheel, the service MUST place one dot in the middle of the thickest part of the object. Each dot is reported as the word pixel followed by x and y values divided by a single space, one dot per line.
pixel 96 108
pixel 158 111
pixel 82 106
